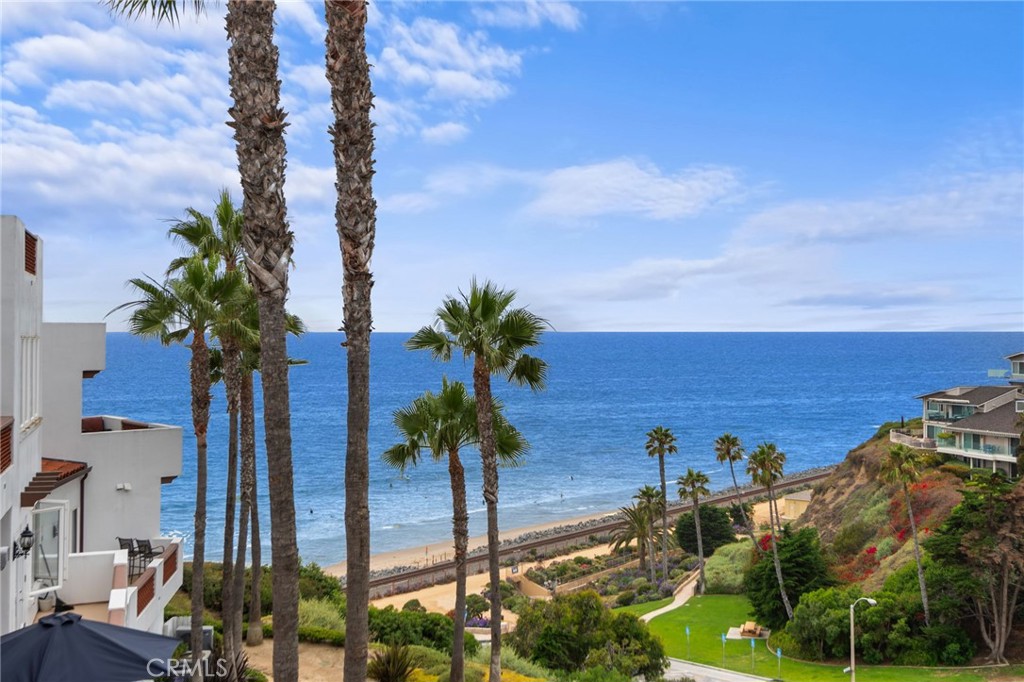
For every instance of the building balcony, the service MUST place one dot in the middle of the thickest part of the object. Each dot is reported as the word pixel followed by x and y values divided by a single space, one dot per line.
pixel 100 586
pixel 984 452
pixel 933 416
pixel 914 440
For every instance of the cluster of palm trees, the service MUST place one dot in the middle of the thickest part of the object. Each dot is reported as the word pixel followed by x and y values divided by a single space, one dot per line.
pixel 259 124
pixel 483 326
pixel 205 302
pixel 764 466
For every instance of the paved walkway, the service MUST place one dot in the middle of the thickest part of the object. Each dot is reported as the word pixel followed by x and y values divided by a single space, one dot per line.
pixel 681 596
pixel 706 673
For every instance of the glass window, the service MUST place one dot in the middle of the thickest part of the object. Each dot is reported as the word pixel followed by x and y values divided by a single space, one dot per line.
pixel 50 549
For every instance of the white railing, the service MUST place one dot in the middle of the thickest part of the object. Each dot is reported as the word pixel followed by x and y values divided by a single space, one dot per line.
pixel 919 442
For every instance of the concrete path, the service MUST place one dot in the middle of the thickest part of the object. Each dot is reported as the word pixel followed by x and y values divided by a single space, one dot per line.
pixel 681 596
pixel 706 673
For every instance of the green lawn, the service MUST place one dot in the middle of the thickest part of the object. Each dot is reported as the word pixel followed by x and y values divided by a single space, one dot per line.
pixel 646 607
pixel 711 615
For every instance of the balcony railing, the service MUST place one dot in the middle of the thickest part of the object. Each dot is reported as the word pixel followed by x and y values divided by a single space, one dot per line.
pixel 918 441
pixel 146 591
pixel 948 418
pixel 984 451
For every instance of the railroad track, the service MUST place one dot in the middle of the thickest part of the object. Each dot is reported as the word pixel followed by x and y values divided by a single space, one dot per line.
pixel 443 571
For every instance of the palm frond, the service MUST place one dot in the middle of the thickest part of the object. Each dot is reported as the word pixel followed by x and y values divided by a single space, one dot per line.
pixel 161 10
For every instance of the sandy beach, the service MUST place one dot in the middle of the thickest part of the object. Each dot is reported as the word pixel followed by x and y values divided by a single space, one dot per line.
pixel 442 551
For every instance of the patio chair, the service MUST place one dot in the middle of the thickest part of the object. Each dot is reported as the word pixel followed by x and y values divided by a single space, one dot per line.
pixel 148 550
pixel 134 565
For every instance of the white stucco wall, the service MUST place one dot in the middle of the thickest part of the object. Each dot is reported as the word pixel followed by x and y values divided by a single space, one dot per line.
pixel 138 458
pixel 68 349
pixel 89 578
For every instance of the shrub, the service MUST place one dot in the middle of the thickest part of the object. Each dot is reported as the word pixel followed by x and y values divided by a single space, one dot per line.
pixel 434 630
pixel 625 598
pixel 599 675
pixel 961 471
pixel 715 530
pixel 723 572
pixel 414 605
pixel 393 664
pixel 476 605
pixel 804 569
pixel 315 584
pixel 320 613
pixel 510 660
pixel 852 537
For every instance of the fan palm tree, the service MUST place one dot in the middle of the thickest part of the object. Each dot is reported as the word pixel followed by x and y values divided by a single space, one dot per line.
pixel 636 528
pixel 183 310
pixel 661 442
pixel 259 123
pixel 653 501
pixel 728 449
pixel 220 238
pixel 694 485
pixel 443 424
pixel 765 466
pixel 348 73
pixel 483 325
pixel 902 467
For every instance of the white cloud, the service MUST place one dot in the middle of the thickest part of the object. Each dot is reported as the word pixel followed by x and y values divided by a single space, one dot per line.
pixel 956 205
pixel 446 62
pixel 617 187
pixel 529 14
pixel 624 186
pixel 303 15
pixel 444 133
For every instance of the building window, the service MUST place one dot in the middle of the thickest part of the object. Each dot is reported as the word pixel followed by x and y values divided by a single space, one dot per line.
pixel 29 380
pixel 31 242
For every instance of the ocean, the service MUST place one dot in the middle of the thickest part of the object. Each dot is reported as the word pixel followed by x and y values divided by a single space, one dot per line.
pixel 816 395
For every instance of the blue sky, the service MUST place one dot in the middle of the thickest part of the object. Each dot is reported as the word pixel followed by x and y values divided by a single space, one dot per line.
pixel 642 166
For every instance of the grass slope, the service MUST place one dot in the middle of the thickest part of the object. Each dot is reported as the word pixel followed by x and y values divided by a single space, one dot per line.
pixel 711 615
pixel 646 607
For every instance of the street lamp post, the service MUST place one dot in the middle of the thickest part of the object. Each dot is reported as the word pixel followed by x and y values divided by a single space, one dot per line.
pixel 853 654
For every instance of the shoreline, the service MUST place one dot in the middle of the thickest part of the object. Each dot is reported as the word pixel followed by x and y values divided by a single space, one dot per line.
pixel 398 561
pixel 383 563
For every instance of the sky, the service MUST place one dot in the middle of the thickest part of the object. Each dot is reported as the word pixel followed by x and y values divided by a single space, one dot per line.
pixel 646 166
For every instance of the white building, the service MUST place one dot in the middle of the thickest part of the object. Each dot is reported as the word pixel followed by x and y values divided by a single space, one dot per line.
pixel 76 484
pixel 979 425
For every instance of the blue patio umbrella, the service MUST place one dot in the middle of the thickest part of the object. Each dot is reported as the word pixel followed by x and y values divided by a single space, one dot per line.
pixel 65 648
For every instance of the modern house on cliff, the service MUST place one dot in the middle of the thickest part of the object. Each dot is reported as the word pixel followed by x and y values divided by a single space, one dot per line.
pixel 77 494
pixel 980 425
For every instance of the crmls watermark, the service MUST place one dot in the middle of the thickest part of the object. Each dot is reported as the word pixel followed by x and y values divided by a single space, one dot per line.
pixel 183 667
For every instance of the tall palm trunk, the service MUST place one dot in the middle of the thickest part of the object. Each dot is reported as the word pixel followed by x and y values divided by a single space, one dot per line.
pixel 488 456
pixel 231 360
pixel 917 557
pixel 664 520
pixel 642 547
pixel 247 485
pixel 743 513
pixel 200 378
pixel 259 124
pixel 775 552
pixel 348 73
pixel 254 634
pixel 700 546
pixel 460 533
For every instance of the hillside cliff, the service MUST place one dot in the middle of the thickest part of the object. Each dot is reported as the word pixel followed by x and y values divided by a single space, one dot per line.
pixel 863 522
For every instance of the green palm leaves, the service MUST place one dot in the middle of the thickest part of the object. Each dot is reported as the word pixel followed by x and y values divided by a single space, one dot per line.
pixel 661 442
pixel 484 326
pixel 765 466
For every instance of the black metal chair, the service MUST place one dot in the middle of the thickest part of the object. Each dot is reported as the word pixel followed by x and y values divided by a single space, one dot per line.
pixel 148 550
pixel 134 563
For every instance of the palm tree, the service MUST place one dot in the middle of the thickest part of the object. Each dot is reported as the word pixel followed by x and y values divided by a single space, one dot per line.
pixel 348 73
pixel 661 442
pixel 653 502
pixel 728 449
pixel 902 467
pixel 220 238
pixel 444 424
pixel 636 528
pixel 259 123
pixel 694 484
pixel 765 466
pixel 180 310
pixel 483 326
